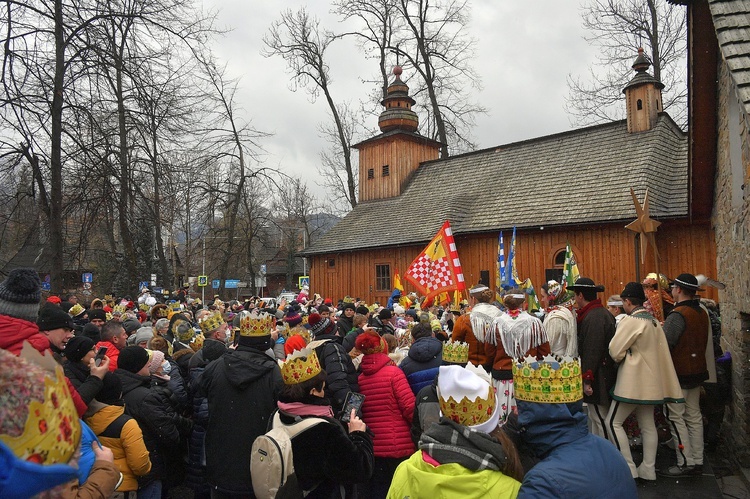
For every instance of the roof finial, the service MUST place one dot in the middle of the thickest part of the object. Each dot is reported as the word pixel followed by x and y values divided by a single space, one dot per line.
pixel 397 70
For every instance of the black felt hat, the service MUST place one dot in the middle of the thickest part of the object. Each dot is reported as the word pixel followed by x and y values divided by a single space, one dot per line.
pixel 686 281
pixel 584 284
pixel 633 290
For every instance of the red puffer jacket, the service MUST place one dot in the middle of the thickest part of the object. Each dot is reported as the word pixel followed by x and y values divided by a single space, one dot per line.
pixel 388 406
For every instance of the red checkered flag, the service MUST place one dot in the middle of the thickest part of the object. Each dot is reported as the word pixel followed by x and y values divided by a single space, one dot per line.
pixel 437 268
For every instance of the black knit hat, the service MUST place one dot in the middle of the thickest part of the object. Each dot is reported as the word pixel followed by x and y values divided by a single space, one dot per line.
pixel 348 305
pixel 77 348
pixel 53 317
pixel 362 310
pixel 633 290
pixel 130 325
pixel 111 391
pixel 20 294
pixel 132 359
pixel 91 331
pixel 385 314
pixel 97 313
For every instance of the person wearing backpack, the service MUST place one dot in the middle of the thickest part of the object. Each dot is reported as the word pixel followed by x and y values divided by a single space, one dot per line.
pixel 121 433
pixel 326 454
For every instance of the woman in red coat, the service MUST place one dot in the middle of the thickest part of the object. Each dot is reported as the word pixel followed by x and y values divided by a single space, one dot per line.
pixel 388 409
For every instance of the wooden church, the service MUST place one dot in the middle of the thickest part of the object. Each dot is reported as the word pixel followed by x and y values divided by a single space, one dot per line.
pixel 571 187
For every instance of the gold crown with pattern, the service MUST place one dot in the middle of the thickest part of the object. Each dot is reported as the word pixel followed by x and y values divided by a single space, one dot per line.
pixel 552 380
pixel 143 307
pixel 469 411
pixel 299 366
pixel 52 431
pixel 119 308
pixel 456 352
pixel 211 323
pixel 256 324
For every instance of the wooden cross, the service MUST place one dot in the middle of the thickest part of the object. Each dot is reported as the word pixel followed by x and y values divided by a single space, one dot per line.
pixel 645 226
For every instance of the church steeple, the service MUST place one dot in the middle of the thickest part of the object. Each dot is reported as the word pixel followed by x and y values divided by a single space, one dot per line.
pixel 642 96
pixel 398 114
pixel 388 160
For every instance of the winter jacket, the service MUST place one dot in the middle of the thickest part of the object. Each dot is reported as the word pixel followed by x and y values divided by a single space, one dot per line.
pixel 113 353
pixel 172 452
pixel 327 455
pixel 426 410
pixel 343 326
pixel 421 363
pixel 14 332
pixel 178 386
pixel 87 386
pixel 574 463
pixel 100 484
pixel 462 331
pixel 242 389
pixel 125 438
pixel 342 376
pixel 182 355
pixel 645 374
pixel 351 339
pixel 596 328
pixel 388 408
pixel 417 478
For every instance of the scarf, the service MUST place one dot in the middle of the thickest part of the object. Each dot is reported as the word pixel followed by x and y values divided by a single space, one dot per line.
pixel 302 409
pixel 581 313
pixel 482 317
pixel 449 442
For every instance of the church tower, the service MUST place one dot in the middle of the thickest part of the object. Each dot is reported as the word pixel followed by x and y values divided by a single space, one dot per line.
pixel 387 160
pixel 642 97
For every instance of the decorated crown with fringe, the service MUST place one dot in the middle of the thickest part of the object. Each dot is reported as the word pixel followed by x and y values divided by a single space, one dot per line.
pixel 456 352
pixel 552 380
pixel 211 323
pixel 299 366
pixel 256 324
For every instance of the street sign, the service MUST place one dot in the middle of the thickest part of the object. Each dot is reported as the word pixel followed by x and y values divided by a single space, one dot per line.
pixel 242 284
pixel 216 284
pixel 47 278
pixel 87 277
pixel 142 284
pixel 304 281
pixel 86 285
pixel 231 283
pixel 202 280
pixel 46 286
pixel 158 290
pixel 263 269
pixel 153 279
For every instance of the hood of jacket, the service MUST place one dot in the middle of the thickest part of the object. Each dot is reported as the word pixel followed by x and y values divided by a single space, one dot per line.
pixel 131 381
pixel 104 416
pixel 243 366
pixel 547 426
pixel 373 362
pixel 14 331
pixel 425 349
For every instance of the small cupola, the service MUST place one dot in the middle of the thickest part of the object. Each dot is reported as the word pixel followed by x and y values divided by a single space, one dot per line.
pixel 642 96
pixel 398 114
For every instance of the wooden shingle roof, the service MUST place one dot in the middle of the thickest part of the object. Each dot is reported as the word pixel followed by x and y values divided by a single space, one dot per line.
pixel 732 24
pixel 577 177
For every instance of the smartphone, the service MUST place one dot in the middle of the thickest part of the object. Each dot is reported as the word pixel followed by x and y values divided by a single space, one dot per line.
pixel 100 355
pixel 353 401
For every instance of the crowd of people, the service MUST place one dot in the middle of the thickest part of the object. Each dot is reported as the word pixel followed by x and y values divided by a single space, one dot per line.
pixel 165 397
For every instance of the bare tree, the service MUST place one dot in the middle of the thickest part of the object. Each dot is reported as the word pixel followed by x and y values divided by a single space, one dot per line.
pixel 300 41
pixel 618 28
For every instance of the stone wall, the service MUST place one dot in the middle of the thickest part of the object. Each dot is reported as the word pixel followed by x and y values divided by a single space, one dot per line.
pixel 731 221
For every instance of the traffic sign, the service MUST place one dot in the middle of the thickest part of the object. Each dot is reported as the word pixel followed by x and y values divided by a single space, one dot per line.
pixel 216 284
pixel 231 283
pixel 263 269
pixel 142 284
pixel 304 281
pixel 153 279
pixel 202 280
pixel 86 285
pixel 87 277
pixel 46 286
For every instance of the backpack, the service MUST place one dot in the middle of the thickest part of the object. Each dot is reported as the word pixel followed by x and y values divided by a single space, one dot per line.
pixel 272 462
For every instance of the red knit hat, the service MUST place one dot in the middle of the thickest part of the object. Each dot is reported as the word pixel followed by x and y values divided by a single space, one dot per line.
pixel 368 343
pixel 294 342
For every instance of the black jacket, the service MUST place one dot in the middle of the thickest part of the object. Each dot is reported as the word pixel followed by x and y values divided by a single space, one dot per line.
pixel 242 388
pixel 343 326
pixel 87 386
pixel 425 353
pixel 327 456
pixel 342 376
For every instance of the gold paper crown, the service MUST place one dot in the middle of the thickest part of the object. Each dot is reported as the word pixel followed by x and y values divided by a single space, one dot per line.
pixel 119 308
pixel 108 316
pixel 76 310
pixel 256 324
pixel 211 323
pixel 109 298
pixel 52 431
pixel 143 307
pixel 552 380
pixel 300 366
pixel 348 299
pixel 471 412
pixel 456 352
pixel 304 320
pixel 300 330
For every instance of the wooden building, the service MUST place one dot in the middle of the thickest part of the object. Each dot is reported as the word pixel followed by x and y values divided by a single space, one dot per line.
pixel 572 187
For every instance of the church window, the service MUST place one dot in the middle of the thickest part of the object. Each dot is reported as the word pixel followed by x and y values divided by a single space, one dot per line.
pixel 386 170
pixel 370 173
pixel 639 104
pixel 560 258
pixel 383 277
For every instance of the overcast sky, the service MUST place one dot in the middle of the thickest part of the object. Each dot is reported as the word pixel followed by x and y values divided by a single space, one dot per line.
pixel 525 51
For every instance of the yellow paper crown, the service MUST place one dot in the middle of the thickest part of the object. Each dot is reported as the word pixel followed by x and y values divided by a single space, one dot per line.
pixel 552 380
pixel 300 366
pixel 211 323
pixel 256 324
pixel 456 352
pixel 119 308
pixel 76 310
pixel 143 307
pixel 300 330
pixel 52 431
pixel 348 299
pixel 470 411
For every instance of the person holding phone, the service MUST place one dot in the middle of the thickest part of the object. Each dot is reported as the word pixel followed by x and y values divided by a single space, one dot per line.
pixel 81 368
pixel 331 453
